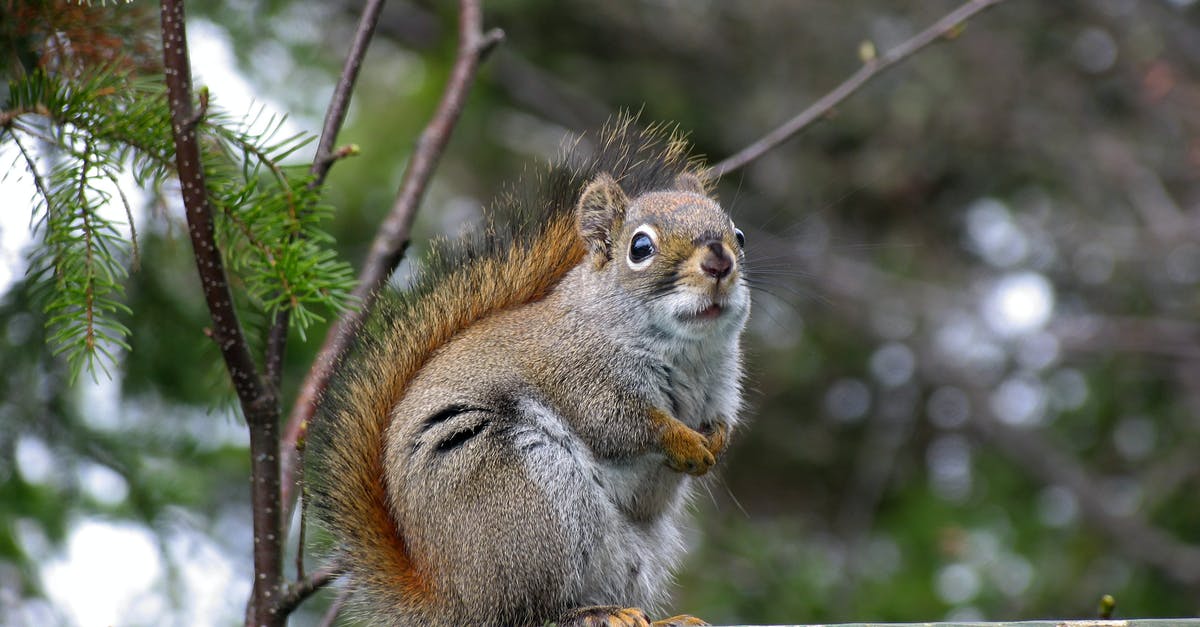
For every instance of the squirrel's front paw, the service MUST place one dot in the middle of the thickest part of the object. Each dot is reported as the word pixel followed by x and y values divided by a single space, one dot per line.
pixel 687 450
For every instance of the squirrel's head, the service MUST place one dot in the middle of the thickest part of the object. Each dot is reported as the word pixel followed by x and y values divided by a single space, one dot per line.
pixel 676 248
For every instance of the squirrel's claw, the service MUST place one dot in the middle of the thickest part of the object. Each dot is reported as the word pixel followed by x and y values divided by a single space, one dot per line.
pixel 717 435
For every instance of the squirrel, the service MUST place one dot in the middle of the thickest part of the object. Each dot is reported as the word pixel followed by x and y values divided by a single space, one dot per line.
pixel 512 439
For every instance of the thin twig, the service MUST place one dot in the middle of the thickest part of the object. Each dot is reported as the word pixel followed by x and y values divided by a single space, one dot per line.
pixel 296 593
pixel 89 247
pixel 38 182
pixel 325 156
pixel 392 237
pixel 259 403
pixel 870 69
pixel 133 236
pixel 335 115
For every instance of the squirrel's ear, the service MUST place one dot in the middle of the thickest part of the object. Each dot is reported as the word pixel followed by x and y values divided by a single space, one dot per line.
pixel 690 182
pixel 601 207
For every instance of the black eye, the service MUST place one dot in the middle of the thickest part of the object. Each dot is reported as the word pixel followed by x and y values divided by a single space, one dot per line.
pixel 641 247
pixel 741 237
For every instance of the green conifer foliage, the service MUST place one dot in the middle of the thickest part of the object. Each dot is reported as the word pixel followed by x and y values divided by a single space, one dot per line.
pixel 77 137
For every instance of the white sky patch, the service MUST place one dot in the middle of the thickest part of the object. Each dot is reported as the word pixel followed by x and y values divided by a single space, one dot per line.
pixel 107 574
pixel 16 201
pixel 35 461
pixel 103 484
pixel 214 66
pixel 1019 303
pixel 216 590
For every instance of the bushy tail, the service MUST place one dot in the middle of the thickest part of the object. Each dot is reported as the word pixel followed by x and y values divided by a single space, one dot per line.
pixel 528 243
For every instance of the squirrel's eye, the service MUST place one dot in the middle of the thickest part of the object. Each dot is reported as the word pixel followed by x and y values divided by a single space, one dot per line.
pixel 741 237
pixel 641 247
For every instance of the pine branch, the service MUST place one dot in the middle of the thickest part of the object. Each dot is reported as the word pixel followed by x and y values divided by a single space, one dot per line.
pixel 83 251
pixel 134 126
pixel 38 182
pixel 267 229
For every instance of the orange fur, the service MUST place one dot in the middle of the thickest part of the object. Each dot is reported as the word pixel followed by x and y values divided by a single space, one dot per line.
pixel 687 450
pixel 381 558
pixel 347 443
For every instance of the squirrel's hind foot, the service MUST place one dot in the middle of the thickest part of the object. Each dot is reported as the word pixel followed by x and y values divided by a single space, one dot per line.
pixel 605 616
pixel 617 616
pixel 683 620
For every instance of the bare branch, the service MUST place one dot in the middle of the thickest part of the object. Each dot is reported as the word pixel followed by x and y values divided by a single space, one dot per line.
pixel 259 403
pixel 275 349
pixel 296 593
pixel 392 238
pixel 227 331
pixel 335 115
pixel 870 69
pixel 324 159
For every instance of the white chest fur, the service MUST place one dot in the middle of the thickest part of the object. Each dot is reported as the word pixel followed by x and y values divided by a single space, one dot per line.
pixel 703 380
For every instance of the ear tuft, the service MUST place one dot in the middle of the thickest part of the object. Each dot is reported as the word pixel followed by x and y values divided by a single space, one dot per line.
pixel 690 182
pixel 601 208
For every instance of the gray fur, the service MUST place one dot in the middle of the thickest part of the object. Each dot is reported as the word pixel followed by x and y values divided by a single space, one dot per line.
pixel 522 470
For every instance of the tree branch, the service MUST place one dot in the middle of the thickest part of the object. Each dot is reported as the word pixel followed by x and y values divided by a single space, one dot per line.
pixel 296 593
pixel 324 159
pixel 339 105
pixel 325 156
pixel 870 69
pixel 259 402
pixel 392 238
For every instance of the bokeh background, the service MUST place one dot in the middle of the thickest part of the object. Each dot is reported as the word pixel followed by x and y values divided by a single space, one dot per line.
pixel 973 362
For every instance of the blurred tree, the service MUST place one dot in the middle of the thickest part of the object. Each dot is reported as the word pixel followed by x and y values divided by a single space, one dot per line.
pixel 974 352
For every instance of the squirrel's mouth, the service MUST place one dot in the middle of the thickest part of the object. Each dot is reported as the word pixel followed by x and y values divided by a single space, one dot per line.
pixel 711 312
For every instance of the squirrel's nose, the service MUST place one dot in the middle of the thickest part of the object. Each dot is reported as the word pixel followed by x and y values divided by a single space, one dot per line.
pixel 717 263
